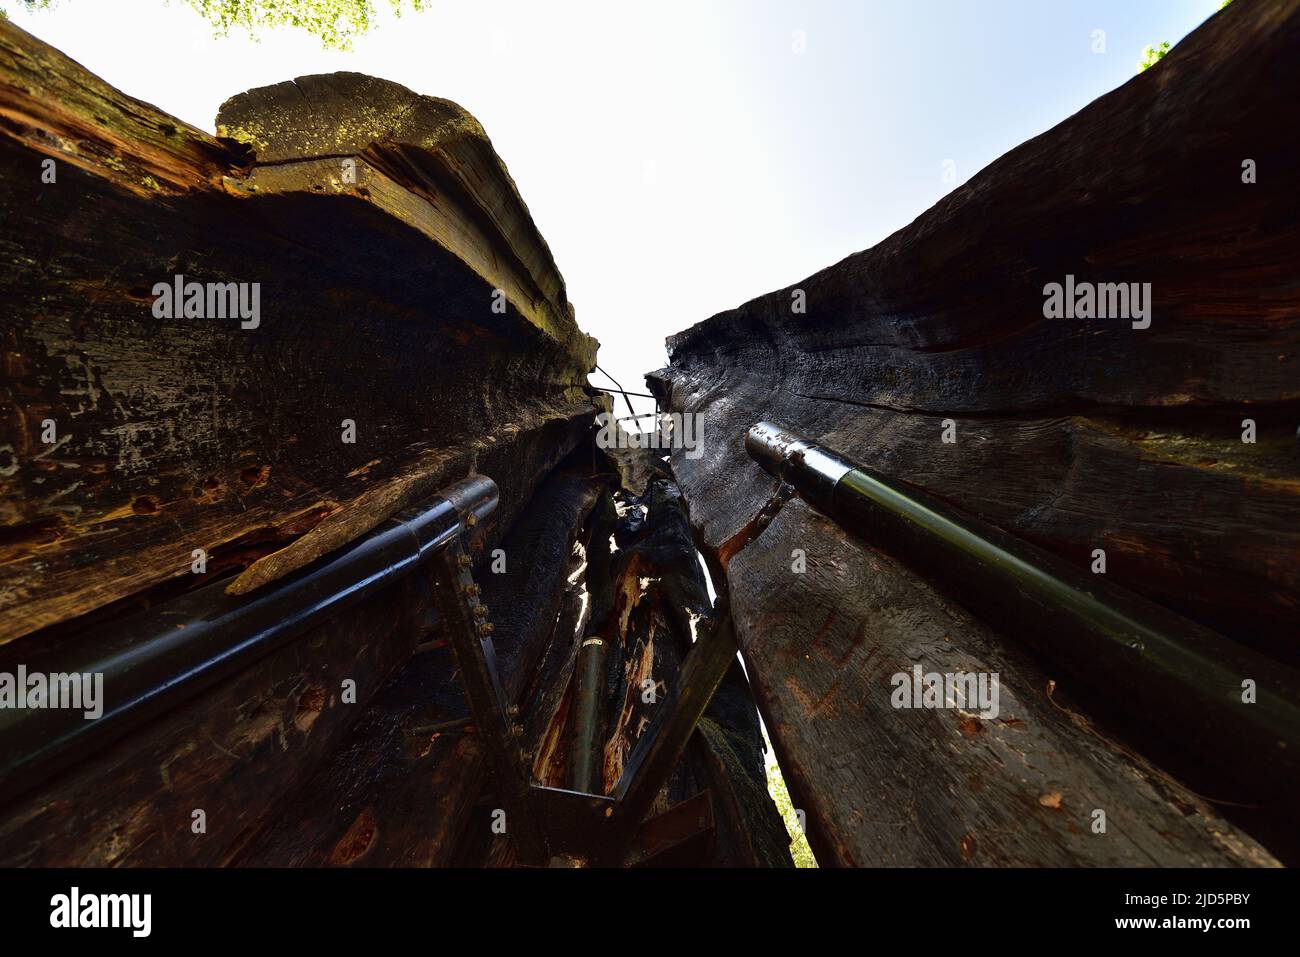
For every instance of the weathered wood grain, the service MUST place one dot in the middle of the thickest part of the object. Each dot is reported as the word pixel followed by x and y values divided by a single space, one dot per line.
pixel 177 434
pixel 393 795
pixel 454 186
pixel 886 786
pixel 1077 434
pixel 233 752
pixel 660 602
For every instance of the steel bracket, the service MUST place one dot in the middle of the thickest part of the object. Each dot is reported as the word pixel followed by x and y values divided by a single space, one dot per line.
pixel 547 824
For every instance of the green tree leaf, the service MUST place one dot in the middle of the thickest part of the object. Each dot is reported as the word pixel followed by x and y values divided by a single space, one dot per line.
pixel 336 23
pixel 1152 55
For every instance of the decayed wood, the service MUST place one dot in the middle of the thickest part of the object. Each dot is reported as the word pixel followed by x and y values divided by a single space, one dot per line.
pixel 1077 434
pixel 549 694
pixel 232 753
pixel 659 603
pixel 452 185
pixel 409 786
pixel 545 701
pixel 375 306
pixel 887 786
pixel 395 793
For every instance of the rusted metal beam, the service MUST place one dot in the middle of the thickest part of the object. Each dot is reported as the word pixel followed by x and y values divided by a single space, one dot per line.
pixel 679 837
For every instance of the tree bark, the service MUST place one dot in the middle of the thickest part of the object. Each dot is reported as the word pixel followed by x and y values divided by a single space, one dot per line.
pixel 376 317
pixel 1077 434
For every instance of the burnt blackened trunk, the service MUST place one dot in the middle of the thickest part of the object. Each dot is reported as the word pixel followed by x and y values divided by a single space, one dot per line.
pixel 1153 443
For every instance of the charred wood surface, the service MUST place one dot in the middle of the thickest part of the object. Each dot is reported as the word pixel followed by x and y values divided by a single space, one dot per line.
pixel 1077 434
pixel 887 786
pixel 646 600
pixel 232 753
pixel 661 604
pixel 377 281
pixel 401 789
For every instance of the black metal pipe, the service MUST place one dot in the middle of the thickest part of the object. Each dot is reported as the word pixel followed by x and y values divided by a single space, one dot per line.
pixel 159 657
pixel 586 764
pixel 1183 680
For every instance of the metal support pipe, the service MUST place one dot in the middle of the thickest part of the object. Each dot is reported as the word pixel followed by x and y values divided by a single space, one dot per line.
pixel 586 762
pixel 1183 679
pixel 157 658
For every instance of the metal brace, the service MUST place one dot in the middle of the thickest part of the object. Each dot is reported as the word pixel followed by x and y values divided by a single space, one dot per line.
pixel 545 824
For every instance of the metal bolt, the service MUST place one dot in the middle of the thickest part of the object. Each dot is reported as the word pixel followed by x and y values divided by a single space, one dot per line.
pixel 471 520
pixel 462 561
pixel 480 611
pixel 472 590
pixel 485 628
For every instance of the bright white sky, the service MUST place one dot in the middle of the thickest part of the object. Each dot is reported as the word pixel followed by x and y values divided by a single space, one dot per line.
pixel 681 156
